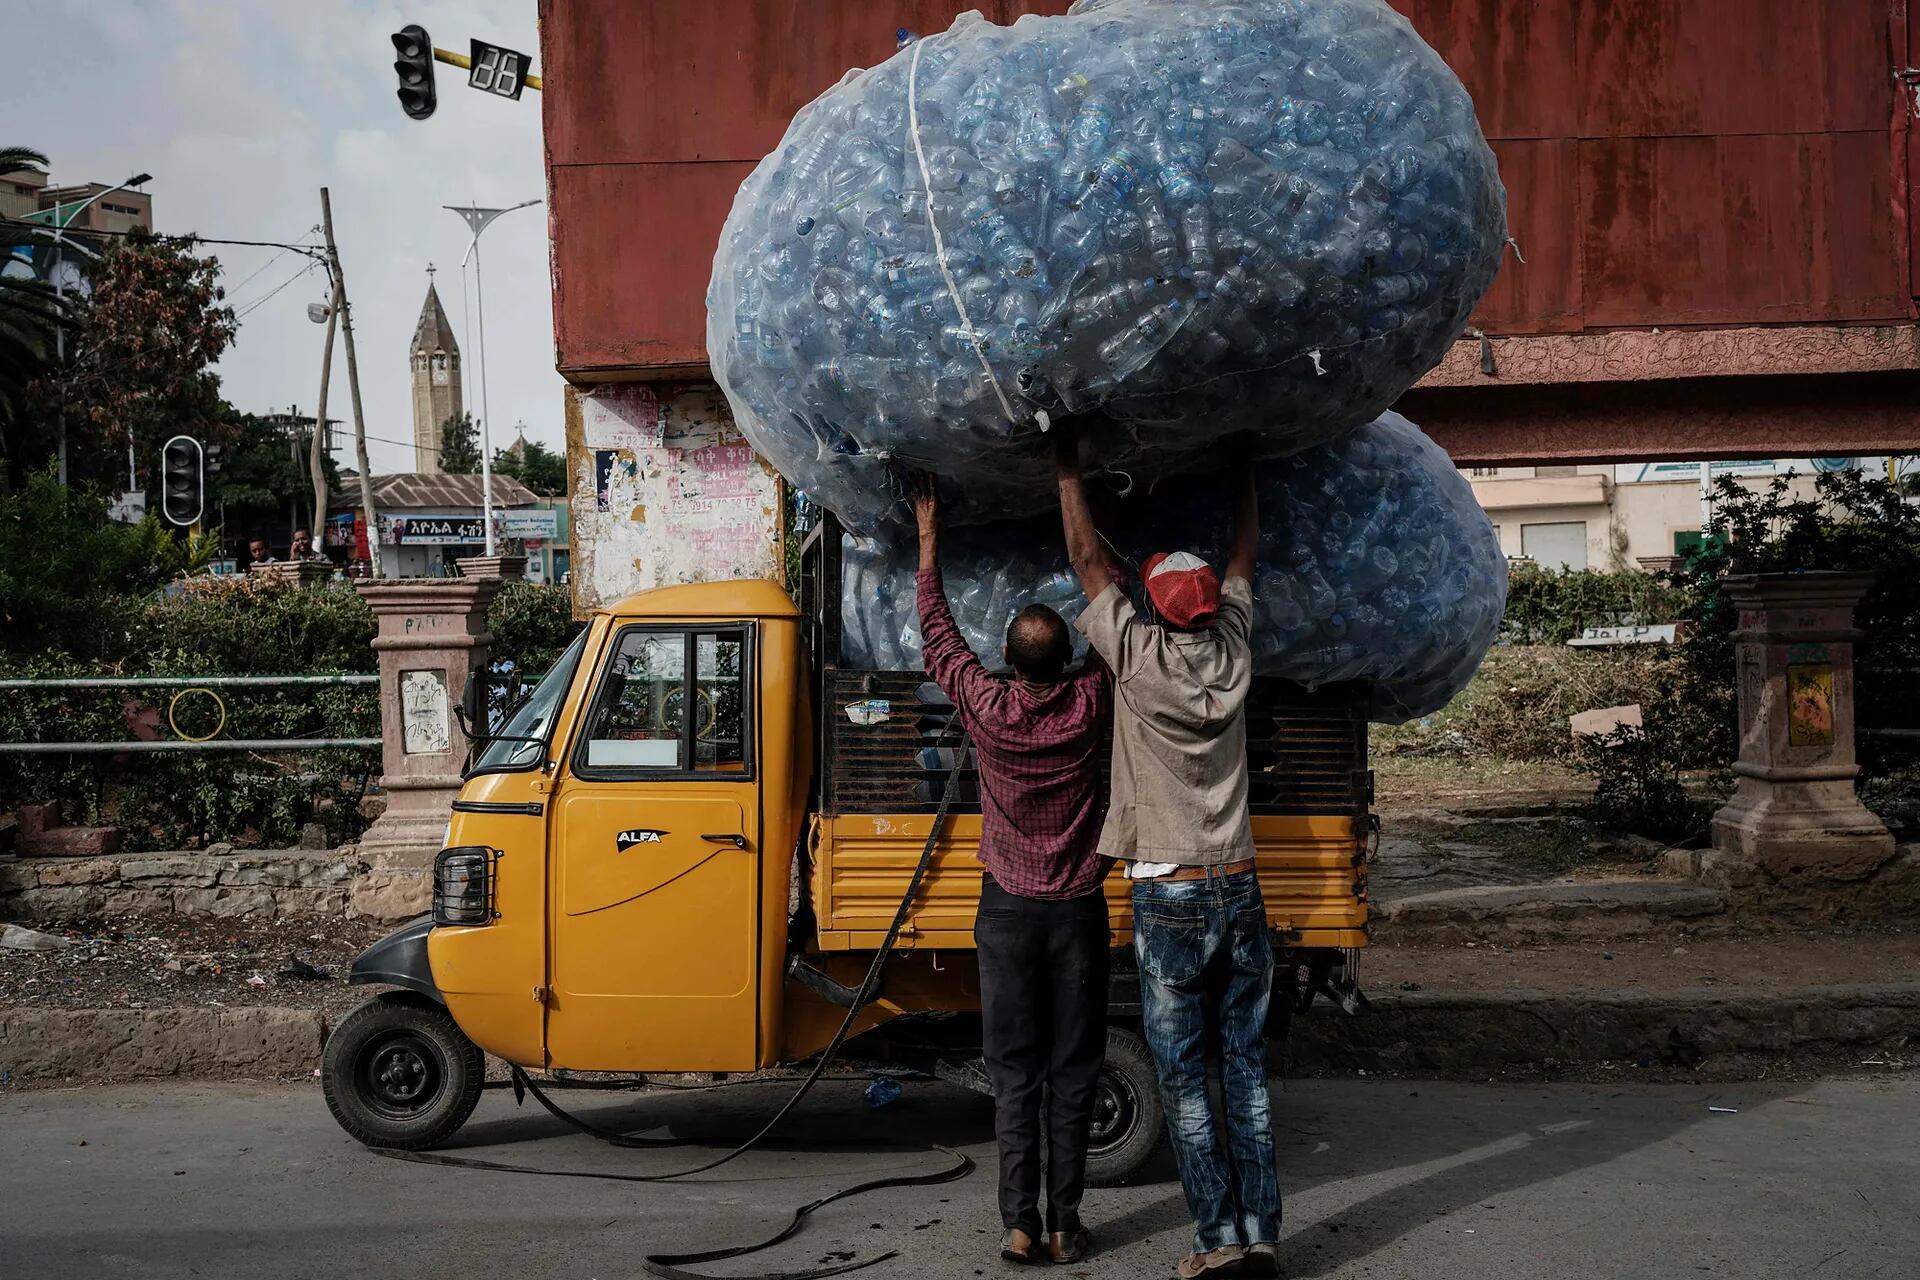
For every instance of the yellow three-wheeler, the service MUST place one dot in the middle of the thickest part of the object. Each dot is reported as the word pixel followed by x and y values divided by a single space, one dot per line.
pixel 681 850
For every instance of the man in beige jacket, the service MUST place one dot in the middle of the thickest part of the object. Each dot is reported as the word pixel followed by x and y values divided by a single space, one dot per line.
pixel 1178 819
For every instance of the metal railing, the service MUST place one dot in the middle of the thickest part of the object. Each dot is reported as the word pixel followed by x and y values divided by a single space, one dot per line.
pixel 184 742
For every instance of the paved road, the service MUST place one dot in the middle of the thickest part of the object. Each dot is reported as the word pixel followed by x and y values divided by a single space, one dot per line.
pixel 1384 1180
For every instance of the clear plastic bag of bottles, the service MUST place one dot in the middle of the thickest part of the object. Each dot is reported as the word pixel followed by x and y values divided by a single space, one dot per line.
pixel 1376 564
pixel 1198 218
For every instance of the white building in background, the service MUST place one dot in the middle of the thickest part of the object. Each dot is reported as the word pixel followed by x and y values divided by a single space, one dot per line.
pixel 1624 515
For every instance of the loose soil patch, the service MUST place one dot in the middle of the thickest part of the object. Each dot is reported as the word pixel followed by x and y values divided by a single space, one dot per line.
pixel 143 962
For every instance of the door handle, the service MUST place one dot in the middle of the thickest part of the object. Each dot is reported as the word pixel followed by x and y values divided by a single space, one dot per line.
pixel 738 842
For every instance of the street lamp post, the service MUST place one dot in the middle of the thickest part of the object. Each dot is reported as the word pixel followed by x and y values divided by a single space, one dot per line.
pixel 60 297
pixel 479 219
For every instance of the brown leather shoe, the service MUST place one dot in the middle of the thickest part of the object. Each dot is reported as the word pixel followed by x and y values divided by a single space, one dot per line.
pixel 1070 1246
pixel 1017 1246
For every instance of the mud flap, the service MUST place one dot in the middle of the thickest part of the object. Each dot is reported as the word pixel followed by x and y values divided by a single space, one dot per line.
pixel 399 960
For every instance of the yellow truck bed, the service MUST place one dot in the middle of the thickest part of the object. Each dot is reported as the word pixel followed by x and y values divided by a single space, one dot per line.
pixel 1312 873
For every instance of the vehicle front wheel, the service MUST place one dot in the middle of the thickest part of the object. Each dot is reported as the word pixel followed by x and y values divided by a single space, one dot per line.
pixel 398 1072
pixel 1128 1123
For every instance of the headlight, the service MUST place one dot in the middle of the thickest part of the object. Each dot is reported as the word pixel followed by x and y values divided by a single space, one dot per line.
pixel 463 885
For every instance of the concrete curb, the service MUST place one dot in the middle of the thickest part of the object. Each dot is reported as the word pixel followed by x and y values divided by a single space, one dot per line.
pixel 38 1043
pixel 1445 1033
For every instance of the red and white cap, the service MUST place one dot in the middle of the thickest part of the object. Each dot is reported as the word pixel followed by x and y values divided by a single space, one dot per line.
pixel 1184 588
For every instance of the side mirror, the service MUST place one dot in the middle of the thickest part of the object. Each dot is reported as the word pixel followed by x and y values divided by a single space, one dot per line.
pixel 473 707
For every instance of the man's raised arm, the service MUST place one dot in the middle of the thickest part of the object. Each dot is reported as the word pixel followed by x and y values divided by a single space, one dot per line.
pixel 1084 549
pixel 1246 529
pixel 949 662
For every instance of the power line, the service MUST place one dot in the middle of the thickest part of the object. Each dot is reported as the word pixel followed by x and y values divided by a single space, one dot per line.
pixel 406 444
pixel 237 289
pixel 308 250
pixel 257 303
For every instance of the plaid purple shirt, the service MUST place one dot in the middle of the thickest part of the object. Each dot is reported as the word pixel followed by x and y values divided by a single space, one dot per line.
pixel 1043 787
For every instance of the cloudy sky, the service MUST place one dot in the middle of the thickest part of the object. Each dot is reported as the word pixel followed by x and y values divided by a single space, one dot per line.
pixel 242 110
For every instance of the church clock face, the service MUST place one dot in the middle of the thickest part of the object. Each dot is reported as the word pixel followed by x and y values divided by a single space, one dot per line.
pixel 440 371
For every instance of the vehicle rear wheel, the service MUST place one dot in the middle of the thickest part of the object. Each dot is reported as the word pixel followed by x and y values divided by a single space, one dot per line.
pixel 398 1072
pixel 1128 1123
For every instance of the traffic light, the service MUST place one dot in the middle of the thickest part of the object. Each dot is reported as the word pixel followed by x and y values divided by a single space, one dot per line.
pixel 183 481
pixel 415 65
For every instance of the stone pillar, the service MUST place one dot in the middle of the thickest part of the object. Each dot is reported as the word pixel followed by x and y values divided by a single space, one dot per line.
pixel 1794 817
pixel 432 632
pixel 497 568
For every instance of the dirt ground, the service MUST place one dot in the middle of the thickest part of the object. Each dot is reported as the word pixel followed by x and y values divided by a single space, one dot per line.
pixel 1404 783
pixel 140 962
pixel 147 963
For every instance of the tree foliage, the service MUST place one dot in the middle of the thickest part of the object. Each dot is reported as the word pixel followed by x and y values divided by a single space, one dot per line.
pixel 1853 523
pixel 140 361
pixel 30 314
pixel 459 445
pixel 65 568
pixel 263 478
pixel 534 465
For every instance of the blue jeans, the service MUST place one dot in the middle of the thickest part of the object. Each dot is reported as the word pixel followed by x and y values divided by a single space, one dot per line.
pixel 1206 966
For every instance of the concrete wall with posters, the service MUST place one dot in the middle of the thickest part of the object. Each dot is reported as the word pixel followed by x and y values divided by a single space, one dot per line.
pixel 665 490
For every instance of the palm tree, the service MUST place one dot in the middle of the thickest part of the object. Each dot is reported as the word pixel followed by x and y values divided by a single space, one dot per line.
pixel 30 311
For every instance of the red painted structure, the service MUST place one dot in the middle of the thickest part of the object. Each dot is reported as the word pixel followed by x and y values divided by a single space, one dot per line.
pixel 1737 168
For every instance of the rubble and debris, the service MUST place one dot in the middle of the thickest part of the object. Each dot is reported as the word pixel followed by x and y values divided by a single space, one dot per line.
pixel 20 938
pixel 135 961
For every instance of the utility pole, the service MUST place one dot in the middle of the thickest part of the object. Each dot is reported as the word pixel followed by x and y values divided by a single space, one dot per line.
pixel 353 385
pixel 316 450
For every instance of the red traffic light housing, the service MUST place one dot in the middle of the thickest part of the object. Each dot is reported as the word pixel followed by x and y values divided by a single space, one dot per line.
pixel 414 65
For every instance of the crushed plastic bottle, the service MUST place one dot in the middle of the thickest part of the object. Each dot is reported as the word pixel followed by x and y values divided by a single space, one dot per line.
pixel 881 1091
pixel 1376 564
pixel 1183 219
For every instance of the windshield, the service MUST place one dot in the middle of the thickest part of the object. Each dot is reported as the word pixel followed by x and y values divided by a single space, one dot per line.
pixel 533 718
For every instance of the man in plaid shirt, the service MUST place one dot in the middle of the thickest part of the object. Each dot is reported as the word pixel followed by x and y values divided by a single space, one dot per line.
pixel 1041 932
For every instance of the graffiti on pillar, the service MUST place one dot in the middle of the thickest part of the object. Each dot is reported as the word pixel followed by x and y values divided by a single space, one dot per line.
pixel 1810 704
pixel 423 713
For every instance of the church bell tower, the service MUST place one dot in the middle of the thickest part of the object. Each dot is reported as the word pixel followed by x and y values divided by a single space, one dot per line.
pixel 435 358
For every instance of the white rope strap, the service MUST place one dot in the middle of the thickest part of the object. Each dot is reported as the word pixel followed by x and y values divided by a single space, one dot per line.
pixel 940 245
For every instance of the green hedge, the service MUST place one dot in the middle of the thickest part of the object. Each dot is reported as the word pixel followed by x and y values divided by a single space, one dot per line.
pixel 530 625
pixel 1552 607
pixel 228 627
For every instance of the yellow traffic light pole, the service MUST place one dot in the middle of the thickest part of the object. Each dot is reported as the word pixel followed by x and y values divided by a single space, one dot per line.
pixel 465 63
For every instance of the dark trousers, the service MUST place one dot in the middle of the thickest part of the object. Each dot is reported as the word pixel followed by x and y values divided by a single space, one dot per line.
pixel 1043 998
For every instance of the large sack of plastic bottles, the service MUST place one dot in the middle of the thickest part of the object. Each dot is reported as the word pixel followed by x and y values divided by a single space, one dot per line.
pixel 1376 564
pixel 1199 218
